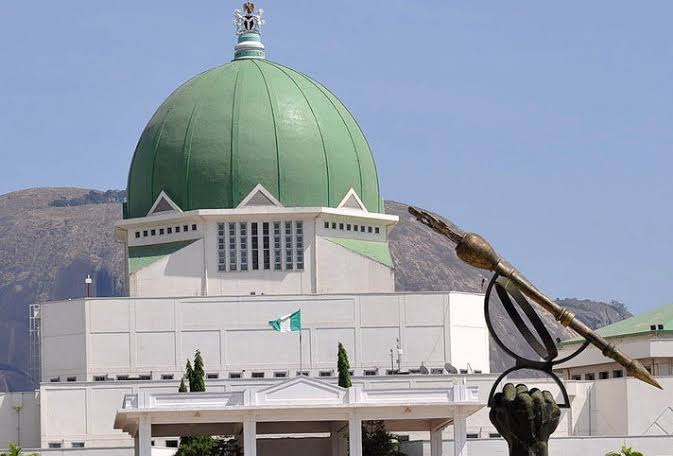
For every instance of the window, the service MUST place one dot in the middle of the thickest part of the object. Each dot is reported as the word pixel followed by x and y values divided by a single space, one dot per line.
pixel 391 371
pixel 300 245
pixel 212 376
pixel 145 377
pixel 185 228
pixel 255 246
pixel 334 225
pixel 277 252
pixel 370 372
pixel 463 371
pixel 144 233
pixel 326 373
pixel 221 248
pixel 234 375
pixel 437 371
pixel 300 373
pixel 617 373
pixel 280 374
pixel 576 377
pixel 289 246
pixel 477 371
pixel 153 232
pixel 122 377
pixel 258 375
pixel 414 371
pixel 348 226
pixel 494 435
pixel 137 234
pixel 243 244
pixel 161 231
pixel 99 378
pixel 376 230
pixel 341 226
pixel 355 227
pixel 232 247
pixel 177 229
pixel 603 375
pixel 266 252
pixel 194 227
pixel 78 444
pixel 589 377
pixel 167 377
pixel 369 229
pixel 169 230
pixel 472 435
pixel 72 379
pixel 326 225
pixel 171 443
pixel 55 379
pixel 54 445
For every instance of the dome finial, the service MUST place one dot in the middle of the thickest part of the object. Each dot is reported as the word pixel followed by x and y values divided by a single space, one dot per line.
pixel 248 28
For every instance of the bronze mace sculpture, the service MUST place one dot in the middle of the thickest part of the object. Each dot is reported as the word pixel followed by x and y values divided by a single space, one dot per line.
pixel 477 252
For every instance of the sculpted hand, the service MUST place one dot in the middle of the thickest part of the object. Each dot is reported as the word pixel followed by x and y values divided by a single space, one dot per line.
pixel 525 419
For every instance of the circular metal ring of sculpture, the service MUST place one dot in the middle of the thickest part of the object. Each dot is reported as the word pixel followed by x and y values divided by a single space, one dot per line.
pixel 544 347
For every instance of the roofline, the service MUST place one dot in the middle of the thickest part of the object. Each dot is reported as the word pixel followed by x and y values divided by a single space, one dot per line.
pixel 388 220
pixel 579 340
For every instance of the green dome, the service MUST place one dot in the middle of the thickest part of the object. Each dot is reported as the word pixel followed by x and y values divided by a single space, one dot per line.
pixel 245 123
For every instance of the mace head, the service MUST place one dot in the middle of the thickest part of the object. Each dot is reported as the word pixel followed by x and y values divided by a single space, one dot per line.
pixel 476 251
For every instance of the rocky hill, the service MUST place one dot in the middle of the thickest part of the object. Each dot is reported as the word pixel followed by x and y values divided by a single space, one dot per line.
pixel 51 238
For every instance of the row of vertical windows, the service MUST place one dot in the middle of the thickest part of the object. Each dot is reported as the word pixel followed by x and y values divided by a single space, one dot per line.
pixel 234 239
pixel 352 227
pixel 165 230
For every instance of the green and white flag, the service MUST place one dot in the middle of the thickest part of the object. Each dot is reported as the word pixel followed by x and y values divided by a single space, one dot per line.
pixel 288 323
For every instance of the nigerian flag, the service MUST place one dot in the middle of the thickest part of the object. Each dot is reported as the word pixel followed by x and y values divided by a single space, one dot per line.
pixel 288 323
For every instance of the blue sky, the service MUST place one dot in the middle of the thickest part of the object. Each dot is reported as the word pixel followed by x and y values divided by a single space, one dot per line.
pixel 544 126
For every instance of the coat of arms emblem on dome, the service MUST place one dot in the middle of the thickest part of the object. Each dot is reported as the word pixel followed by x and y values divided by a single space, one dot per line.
pixel 248 22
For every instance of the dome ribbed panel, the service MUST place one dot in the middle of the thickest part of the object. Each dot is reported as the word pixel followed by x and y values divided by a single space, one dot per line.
pixel 342 158
pixel 209 171
pixel 253 140
pixel 370 195
pixel 300 147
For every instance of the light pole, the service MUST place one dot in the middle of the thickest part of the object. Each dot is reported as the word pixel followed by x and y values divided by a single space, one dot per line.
pixel 88 281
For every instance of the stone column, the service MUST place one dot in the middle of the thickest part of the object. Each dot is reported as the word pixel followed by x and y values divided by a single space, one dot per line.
pixel 355 435
pixel 335 439
pixel 436 443
pixel 250 437
pixel 143 438
pixel 459 433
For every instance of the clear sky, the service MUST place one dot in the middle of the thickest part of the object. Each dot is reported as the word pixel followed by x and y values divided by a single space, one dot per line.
pixel 545 126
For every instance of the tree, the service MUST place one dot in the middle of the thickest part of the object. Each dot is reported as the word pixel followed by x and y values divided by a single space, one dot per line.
pixel 343 366
pixel 625 451
pixel 197 382
pixel 15 450
pixel 376 441
pixel 197 445
pixel 182 388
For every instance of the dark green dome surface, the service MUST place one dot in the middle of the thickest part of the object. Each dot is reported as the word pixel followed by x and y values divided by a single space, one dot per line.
pixel 248 122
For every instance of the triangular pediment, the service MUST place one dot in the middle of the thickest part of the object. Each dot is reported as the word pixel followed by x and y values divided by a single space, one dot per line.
pixel 259 196
pixel 352 201
pixel 163 204
pixel 301 390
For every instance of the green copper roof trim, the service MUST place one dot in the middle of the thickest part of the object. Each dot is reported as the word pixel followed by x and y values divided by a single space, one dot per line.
pixel 636 325
pixel 377 251
pixel 245 123
pixel 142 256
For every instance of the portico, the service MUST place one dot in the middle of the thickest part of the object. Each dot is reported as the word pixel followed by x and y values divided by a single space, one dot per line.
pixel 300 406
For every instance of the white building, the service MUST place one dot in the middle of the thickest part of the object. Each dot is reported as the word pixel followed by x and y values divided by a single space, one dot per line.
pixel 253 194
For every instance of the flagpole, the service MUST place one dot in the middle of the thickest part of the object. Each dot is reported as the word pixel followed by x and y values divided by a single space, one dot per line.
pixel 301 358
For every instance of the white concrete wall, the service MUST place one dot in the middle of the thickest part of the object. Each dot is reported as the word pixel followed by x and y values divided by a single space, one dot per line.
pixel 469 333
pixel 63 340
pixel 178 274
pixel 156 336
pixel 340 270
pixel 590 446
pixel 19 419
